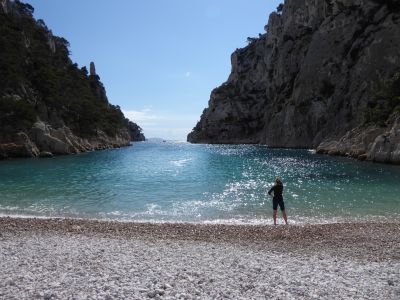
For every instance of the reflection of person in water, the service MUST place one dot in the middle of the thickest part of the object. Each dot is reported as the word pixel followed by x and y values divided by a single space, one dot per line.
pixel 277 199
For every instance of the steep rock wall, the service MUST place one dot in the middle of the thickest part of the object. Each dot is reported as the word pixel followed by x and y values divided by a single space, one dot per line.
pixel 309 78
pixel 48 105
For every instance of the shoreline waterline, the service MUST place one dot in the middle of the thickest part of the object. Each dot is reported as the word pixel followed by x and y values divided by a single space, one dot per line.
pixel 187 229
pixel 268 221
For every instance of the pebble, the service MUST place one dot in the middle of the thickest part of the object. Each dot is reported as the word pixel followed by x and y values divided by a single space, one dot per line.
pixel 151 294
pixel 54 265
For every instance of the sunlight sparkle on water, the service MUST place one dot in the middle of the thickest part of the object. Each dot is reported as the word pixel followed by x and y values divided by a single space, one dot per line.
pixel 180 182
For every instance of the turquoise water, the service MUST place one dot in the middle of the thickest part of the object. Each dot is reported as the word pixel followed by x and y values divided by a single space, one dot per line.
pixel 172 181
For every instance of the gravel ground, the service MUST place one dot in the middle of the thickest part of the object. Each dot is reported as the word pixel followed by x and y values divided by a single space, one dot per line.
pixel 77 259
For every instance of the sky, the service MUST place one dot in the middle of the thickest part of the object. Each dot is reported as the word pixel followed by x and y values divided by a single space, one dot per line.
pixel 159 60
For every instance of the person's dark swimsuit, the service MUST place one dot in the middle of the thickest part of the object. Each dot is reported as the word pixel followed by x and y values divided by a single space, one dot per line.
pixel 278 198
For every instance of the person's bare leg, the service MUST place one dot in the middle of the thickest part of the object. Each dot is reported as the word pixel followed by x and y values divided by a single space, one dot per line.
pixel 284 216
pixel 274 216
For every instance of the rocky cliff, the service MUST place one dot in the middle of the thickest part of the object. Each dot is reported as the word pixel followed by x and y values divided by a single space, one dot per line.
pixel 372 142
pixel 310 78
pixel 47 104
pixel 135 132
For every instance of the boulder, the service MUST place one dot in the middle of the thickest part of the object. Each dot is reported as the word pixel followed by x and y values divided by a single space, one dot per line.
pixel 373 143
pixel 45 154
pixel 41 136
pixel 386 147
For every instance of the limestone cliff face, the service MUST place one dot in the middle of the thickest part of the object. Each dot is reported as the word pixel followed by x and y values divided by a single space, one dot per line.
pixel 42 140
pixel 48 105
pixel 309 78
pixel 375 143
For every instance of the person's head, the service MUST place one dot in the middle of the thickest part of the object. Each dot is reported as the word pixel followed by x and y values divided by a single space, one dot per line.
pixel 278 180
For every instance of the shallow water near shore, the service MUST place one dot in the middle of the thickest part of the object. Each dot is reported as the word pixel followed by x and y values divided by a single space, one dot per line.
pixel 180 182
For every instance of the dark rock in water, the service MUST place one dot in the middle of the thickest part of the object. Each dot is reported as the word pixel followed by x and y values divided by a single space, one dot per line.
pixel 309 79
pixel 45 154
pixel 47 103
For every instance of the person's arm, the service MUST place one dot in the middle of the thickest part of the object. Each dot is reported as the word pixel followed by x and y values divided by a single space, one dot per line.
pixel 271 190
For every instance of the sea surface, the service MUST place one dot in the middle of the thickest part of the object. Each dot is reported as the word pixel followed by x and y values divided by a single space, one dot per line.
pixel 181 182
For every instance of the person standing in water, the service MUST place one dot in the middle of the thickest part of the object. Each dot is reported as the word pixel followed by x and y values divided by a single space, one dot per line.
pixel 277 199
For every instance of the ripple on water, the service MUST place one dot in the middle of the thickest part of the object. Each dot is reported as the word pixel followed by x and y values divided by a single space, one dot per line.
pixel 200 183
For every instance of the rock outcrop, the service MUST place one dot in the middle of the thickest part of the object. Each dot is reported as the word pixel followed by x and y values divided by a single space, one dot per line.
pixel 367 143
pixel 309 79
pixel 45 141
pixel 92 69
pixel 6 6
pixel 135 132
pixel 49 106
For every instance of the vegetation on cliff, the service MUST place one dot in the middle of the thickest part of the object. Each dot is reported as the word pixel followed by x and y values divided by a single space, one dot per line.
pixel 135 132
pixel 40 82
pixel 385 103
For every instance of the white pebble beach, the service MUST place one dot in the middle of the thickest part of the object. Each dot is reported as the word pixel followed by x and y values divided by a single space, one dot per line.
pixel 82 259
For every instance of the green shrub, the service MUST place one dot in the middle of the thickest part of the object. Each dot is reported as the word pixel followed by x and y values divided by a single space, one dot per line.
pixel 17 114
pixel 384 103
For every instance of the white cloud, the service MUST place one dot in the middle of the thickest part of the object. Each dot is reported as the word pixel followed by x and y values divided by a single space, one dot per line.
pixel 141 116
